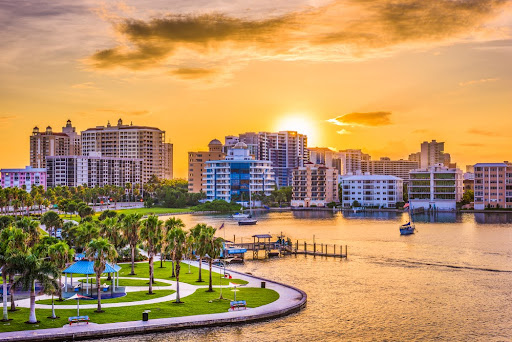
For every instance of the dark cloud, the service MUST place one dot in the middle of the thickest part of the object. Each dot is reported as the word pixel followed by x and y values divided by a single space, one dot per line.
pixel 363 119
pixel 341 29
pixel 193 73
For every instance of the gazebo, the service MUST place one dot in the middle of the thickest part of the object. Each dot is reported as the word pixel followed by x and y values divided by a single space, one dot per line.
pixel 87 267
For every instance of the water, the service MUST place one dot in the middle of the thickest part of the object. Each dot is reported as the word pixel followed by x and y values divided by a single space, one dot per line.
pixel 451 281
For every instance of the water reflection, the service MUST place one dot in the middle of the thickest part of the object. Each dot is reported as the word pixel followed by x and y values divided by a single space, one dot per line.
pixel 493 218
pixel 438 217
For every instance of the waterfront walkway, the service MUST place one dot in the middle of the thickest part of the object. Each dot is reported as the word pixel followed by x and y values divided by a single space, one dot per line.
pixel 290 300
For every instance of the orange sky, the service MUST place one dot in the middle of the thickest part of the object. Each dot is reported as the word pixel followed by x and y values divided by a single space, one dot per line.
pixel 380 75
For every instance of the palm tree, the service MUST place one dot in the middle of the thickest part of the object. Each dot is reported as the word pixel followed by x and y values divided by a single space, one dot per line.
pixel 32 269
pixel 151 236
pixel 170 224
pixel 100 250
pixel 199 246
pixel 213 246
pixel 190 250
pixel 60 254
pixel 131 225
pixel 51 220
pixel 85 233
pixel 177 238
pixel 30 227
pixel 16 240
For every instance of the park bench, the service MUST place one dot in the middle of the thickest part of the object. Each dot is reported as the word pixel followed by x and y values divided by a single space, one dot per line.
pixel 238 304
pixel 78 319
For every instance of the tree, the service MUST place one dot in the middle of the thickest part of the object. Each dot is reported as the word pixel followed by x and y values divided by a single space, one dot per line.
pixel 151 236
pixel 52 221
pixel 111 229
pixel 101 251
pixel 16 245
pixel 199 247
pixel 131 225
pixel 84 210
pixel 60 254
pixel 213 246
pixel 177 238
pixel 85 233
pixel 31 269
pixel 170 224
pixel 31 228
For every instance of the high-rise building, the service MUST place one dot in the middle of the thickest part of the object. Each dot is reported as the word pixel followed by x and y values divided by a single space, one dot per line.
pixel 327 157
pixel 132 142
pixel 352 160
pixel 493 185
pixel 238 176
pixel 432 153
pixel 378 191
pixel 23 178
pixel 314 185
pixel 75 141
pixel 196 164
pixel 93 170
pixel 386 166
pixel 436 187
pixel 285 149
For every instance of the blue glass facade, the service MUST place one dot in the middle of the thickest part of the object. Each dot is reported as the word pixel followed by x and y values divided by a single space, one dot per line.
pixel 240 178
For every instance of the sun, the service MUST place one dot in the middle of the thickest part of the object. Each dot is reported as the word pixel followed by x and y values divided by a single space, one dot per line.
pixel 301 123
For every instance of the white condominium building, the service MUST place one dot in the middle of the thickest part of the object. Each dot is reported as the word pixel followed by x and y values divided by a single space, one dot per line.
pixel 232 179
pixel 377 191
pixel 436 187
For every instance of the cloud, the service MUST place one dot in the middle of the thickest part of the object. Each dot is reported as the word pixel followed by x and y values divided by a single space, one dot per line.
pixel 340 30
pixel 486 133
pixel 193 73
pixel 343 131
pixel 362 119
pixel 472 144
pixel 483 80
pixel 85 85
pixel 6 118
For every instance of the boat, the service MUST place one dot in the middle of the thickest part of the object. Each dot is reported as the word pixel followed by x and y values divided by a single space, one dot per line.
pixel 358 209
pixel 247 222
pixel 240 215
pixel 409 227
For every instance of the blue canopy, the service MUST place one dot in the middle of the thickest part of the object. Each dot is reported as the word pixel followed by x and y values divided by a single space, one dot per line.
pixel 87 267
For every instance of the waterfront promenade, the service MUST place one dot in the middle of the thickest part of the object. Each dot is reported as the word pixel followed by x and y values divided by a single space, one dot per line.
pixel 290 300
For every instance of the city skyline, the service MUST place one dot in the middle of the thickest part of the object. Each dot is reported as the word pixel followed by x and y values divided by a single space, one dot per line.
pixel 398 81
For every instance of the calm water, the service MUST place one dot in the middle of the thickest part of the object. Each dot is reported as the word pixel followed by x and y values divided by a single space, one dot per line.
pixel 451 281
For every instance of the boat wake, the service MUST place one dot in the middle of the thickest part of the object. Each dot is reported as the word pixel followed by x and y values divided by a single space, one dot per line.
pixel 425 263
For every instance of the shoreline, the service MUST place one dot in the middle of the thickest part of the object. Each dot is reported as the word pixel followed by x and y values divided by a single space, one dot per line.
pixel 291 300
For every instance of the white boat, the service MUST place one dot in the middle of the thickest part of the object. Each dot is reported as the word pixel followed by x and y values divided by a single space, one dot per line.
pixel 240 215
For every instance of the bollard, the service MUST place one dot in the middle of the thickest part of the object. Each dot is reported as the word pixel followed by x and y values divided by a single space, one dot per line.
pixel 145 316
pixel 322 249
pixel 334 254
pixel 314 248
pixel 234 238
pixel 305 247
pixel 346 251
pixel 263 284
pixel 297 247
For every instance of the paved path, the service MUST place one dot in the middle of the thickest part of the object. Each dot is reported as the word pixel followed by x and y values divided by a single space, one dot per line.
pixel 290 300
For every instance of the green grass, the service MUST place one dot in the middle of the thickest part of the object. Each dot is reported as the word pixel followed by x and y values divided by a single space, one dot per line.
pixel 142 271
pixel 155 210
pixel 130 297
pixel 125 282
pixel 195 304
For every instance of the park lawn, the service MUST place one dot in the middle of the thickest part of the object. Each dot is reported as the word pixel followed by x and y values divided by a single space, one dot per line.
pixel 142 271
pixel 155 210
pixel 130 297
pixel 125 282
pixel 196 304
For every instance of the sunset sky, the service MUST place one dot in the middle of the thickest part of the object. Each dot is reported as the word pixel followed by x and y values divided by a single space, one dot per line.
pixel 380 75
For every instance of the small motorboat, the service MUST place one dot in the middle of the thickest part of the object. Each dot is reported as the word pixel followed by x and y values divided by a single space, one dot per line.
pixel 247 222
pixel 407 229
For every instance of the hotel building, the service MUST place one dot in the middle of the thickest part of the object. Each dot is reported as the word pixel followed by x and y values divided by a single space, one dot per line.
pixel 352 160
pixel 197 166
pixel 233 178
pixel 386 166
pixel 49 143
pixel 493 185
pixel 27 178
pixel 377 191
pixel 432 153
pixel 435 187
pixel 132 142
pixel 314 185
pixel 93 170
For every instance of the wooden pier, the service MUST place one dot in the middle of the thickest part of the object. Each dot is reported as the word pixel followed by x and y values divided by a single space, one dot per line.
pixel 262 243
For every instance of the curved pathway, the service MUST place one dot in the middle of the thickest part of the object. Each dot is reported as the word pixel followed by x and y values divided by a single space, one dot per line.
pixel 290 300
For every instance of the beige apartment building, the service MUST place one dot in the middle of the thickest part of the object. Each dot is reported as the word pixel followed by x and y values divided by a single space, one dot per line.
pixel 50 143
pixel 197 166
pixel 493 185
pixel 386 166
pixel 133 142
pixel 314 185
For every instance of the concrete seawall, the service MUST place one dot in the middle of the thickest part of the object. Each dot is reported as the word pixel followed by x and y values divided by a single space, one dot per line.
pixel 291 300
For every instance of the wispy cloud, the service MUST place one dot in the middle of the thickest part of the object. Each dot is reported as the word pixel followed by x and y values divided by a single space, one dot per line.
pixel 193 73
pixel 124 112
pixel 341 30
pixel 85 85
pixel 6 118
pixel 362 119
pixel 482 80
pixel 486 133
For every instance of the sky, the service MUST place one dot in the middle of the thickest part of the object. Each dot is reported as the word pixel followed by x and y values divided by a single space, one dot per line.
pixel 377 75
